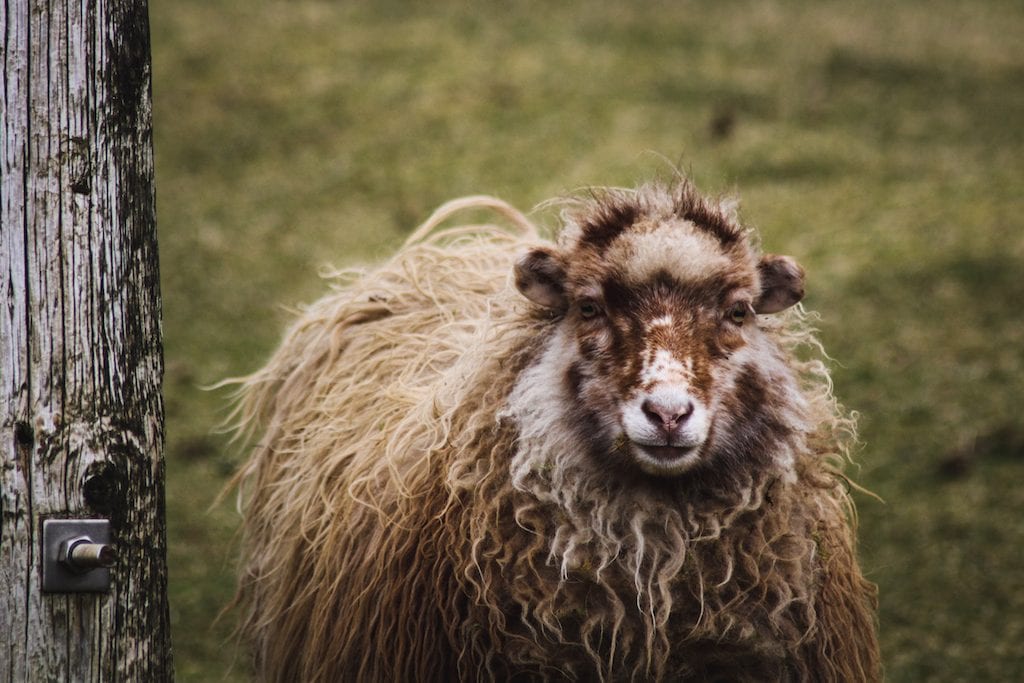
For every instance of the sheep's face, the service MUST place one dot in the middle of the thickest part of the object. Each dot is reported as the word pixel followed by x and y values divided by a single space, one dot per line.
pixel 662 354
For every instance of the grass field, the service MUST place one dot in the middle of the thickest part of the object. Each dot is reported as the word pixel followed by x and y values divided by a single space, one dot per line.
pixel 880 144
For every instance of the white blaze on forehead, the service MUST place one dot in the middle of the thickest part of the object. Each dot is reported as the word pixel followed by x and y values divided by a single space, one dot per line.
pixel 677 247
pixel 662 321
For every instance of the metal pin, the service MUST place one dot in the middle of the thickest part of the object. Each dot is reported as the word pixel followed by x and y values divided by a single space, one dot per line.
pixel 84 555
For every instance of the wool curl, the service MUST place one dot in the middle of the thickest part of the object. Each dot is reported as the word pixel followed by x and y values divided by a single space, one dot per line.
pixel 400 524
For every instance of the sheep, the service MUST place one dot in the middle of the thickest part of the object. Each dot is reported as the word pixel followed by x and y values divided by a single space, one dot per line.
pixel 612 456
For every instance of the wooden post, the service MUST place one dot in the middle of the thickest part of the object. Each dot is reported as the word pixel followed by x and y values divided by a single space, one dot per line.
pixel 81 413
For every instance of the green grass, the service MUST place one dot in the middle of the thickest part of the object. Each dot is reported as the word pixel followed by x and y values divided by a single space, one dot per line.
pixel 879 144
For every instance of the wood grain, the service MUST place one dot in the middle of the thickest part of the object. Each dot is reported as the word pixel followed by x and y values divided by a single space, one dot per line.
pixel 81 412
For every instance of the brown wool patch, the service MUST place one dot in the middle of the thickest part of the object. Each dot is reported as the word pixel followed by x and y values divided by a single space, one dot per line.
pixel 690 205
pixel 607 220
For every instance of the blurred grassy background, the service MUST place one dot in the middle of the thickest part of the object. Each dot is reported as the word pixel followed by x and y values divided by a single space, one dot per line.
pixel 881 144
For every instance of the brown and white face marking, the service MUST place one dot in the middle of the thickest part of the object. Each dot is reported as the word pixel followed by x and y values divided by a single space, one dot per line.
pixel 661 355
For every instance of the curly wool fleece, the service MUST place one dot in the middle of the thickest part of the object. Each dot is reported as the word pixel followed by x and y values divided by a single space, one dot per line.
pixel 426 501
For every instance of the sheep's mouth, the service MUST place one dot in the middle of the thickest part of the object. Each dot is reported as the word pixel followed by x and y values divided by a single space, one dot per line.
pixel 666 460
pixel 667 453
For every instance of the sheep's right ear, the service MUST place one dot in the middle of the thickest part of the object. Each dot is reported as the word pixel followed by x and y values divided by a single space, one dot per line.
pixel 782 283
pixel 540 277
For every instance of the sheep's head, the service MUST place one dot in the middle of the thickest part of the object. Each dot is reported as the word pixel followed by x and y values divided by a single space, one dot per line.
pixel 657 294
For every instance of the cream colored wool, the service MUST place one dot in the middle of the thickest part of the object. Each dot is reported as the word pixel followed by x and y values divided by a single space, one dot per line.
pixel 399 526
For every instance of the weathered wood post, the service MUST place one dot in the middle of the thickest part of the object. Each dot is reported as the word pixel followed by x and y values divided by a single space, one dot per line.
pixel 81 413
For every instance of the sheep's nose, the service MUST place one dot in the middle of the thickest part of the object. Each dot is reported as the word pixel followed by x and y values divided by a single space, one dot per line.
pixel 667 415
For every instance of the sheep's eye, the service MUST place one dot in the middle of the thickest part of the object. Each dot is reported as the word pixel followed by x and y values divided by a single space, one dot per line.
pixel 589 309
pixel 738 313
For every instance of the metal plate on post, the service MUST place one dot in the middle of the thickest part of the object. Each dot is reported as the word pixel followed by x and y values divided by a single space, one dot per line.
pixel 60 573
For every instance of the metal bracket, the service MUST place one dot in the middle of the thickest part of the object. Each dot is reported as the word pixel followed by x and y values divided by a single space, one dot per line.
pixel 77 555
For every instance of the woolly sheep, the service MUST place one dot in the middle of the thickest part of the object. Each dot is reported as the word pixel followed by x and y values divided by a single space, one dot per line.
pixel 611 457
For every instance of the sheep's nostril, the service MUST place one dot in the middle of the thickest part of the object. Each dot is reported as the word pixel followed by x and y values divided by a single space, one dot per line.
pixel 667 416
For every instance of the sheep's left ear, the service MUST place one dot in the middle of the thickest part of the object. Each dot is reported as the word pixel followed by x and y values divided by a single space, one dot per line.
pixel 540 277
pixel 782 283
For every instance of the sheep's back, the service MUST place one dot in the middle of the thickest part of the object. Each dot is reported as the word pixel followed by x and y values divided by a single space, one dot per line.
pixel 353 412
